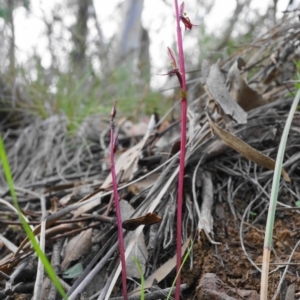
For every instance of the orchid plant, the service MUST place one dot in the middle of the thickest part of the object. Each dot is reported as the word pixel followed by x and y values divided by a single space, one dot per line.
pixel 180 73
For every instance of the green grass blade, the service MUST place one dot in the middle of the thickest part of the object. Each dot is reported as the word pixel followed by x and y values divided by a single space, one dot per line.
pixel 138 265
pixel 273 200
pixel 36 247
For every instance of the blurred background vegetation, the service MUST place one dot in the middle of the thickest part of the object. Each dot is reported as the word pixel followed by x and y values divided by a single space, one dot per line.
pixel 79 56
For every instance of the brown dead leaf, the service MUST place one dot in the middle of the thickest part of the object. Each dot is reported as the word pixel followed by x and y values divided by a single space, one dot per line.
pixel 78 246
pixel 175 149
pixel 246 97
pixel 245 149
pixel 216 88
pixel 150 218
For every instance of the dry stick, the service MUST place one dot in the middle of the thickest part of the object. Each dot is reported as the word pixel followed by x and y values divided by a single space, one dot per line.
pixel 55 262
pixel 40 269
pixel 182 149
pixel 113 147
pixel 9 283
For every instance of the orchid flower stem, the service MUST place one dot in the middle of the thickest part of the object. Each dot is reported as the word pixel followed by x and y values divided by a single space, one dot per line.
pixel 113 142
pixel 182 150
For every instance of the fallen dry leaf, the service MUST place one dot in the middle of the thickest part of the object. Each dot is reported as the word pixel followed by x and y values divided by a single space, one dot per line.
pixel 78 246
pixel 124 164
pixel 142 185
pixel 245 149
pixel 216 88
pixel 246 97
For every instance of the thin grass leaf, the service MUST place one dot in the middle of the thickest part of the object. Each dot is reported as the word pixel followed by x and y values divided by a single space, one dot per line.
pixel 273 200
pixel 36 247
pixel 142 278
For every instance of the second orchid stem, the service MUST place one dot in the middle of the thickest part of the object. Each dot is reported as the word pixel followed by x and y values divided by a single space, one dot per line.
pixel 113 148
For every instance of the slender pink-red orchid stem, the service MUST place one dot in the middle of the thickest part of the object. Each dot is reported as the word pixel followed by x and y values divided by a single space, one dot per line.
pixel 113 144
pixel 182 150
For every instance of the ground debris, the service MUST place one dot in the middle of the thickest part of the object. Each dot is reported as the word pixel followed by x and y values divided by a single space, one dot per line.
pixel 67 173
pixel 213 288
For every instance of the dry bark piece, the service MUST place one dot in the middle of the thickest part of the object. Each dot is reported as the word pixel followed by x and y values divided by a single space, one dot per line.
pixel 216 88
pixel 246 97
pixel 212 287
pixel 245 149
pixel 290 293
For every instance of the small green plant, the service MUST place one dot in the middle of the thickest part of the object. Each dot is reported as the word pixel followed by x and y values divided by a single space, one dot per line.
pixel 36 247
pixel 252 215
pixel 138 265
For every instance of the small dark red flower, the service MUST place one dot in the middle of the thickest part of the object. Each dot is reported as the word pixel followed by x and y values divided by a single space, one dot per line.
pixel 184 19
pixel 175 69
